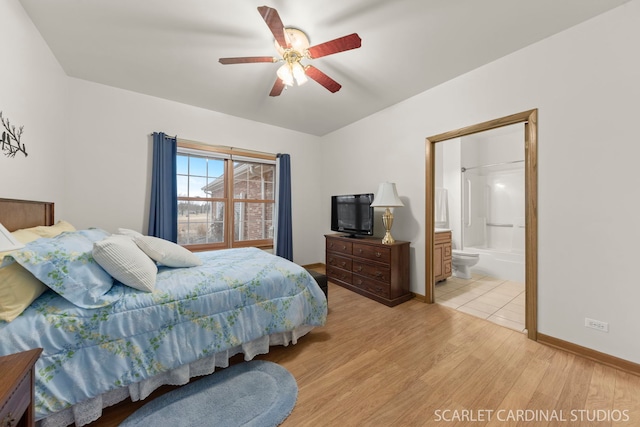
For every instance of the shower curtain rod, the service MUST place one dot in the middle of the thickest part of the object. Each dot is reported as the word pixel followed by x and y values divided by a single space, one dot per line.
pixel 493 164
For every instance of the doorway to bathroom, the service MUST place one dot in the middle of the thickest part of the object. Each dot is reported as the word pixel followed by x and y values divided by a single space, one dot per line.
pixel 491 210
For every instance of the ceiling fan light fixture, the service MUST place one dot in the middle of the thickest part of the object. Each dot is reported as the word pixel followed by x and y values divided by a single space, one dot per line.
pixel 292 71
pixel 285 74
pixel 293 46
pixel 299 74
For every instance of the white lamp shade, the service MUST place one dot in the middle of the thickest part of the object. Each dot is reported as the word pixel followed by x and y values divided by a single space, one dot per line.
pixel 285 74
pixel 7 241
pixel 387 196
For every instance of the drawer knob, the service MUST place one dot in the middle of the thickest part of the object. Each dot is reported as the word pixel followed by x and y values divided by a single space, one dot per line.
pixel 378 254
pixel 342 264
pixel 359 268
pixel 378 274
pixel 344 247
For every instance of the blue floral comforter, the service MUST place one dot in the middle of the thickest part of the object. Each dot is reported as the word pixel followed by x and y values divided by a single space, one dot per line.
pixel 236 296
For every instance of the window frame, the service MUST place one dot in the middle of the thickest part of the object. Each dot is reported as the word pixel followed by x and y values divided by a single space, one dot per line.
pixel 229 155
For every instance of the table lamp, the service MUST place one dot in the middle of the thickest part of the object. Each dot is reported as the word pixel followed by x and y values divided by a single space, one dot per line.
pixel 387 197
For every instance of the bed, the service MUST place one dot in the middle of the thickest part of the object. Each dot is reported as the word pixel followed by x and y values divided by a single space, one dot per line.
pixel 132 341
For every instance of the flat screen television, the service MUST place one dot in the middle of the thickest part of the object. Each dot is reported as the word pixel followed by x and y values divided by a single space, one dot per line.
pixel 352 214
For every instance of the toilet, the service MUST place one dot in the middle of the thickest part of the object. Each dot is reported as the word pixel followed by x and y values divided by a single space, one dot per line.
pixel 462 261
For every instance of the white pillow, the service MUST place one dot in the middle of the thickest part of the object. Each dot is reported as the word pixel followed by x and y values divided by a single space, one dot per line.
pixel 128 232
pixel 125 262
pixel 166 252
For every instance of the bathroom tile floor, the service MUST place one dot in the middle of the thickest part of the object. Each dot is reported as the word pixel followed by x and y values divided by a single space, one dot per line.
pixel 497 300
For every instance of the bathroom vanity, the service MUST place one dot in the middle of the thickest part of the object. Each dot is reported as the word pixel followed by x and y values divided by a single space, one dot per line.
pixel 442 255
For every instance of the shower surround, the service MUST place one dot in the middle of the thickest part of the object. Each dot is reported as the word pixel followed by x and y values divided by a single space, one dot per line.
pixel 484 176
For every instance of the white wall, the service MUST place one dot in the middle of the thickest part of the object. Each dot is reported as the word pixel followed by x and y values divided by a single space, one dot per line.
pixel 89 145
pixel 33 91
pixel 585 84
pixel 108 160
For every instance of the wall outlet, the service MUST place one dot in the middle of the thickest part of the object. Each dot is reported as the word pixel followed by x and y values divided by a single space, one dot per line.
pixel 596 324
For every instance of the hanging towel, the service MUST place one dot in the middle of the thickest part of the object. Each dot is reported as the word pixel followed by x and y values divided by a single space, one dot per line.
pixel 441 206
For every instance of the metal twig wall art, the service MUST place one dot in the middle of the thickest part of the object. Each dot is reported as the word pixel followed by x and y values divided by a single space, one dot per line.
pixel 11 139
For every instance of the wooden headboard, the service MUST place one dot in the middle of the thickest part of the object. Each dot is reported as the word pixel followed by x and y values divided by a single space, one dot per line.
pixel 16 214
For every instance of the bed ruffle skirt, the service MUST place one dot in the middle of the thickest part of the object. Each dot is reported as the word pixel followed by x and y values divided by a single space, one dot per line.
pixel 90 410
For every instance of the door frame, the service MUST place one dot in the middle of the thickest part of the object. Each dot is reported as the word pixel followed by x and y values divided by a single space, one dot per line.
pixel 530 120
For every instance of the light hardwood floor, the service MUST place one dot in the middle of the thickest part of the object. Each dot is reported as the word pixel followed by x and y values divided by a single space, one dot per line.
pixel 420 364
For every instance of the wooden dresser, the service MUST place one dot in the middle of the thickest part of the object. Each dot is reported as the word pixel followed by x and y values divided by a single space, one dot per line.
pixel 366 266
pixel 442 256
pixel 16 388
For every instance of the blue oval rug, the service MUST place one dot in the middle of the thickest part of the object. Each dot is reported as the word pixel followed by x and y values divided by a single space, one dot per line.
pixel 256 393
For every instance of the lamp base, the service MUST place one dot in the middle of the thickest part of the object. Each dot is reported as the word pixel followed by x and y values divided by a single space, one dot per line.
pixel 387 220
pixel 388 239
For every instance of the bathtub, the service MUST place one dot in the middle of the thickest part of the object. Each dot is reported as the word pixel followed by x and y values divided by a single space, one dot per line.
pixel 500 264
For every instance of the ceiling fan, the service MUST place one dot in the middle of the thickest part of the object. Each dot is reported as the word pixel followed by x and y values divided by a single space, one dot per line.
pixel 293 46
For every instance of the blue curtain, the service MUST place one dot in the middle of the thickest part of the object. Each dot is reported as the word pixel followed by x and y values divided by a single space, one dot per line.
pixel 284 234
pixel 163 212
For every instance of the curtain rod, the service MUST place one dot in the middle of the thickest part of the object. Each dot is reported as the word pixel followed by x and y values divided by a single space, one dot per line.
pixel 223 148
pixel 226 149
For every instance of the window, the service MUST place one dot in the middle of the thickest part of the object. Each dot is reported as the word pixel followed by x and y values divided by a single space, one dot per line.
pixel 224 200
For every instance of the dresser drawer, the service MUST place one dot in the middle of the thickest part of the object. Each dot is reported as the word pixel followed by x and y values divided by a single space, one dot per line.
pixel 336 245
pixel 375 253
pixel 19 401
pixel 373 271
pixel 380 289
pixel 339 261
pixel 334 273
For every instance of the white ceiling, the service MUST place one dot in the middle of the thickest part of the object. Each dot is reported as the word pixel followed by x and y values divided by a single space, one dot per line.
pixel 170 48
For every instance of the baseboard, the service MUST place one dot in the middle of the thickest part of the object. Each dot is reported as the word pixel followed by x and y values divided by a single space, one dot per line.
pixel 421 298
pixel 596 356
pixel 314 265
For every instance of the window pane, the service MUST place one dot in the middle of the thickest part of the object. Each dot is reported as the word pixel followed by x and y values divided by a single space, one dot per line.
pixel 215 187
pixel 182 163
pixel 183 185
pixel 269 172
pixel 200 222
pixel 197 166
pixel 197 185
pixel 253 180
pixel 240 189
pixel 253 221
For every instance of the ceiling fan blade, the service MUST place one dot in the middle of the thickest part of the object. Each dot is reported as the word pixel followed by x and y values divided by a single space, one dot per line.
pixel 326 81
pixel 247 60
pixel 277 88
pixel 271 17
pixel 352 41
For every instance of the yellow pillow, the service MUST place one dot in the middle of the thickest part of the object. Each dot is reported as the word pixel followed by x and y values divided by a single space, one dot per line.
pixel 22 236
pixel 52 230
pixel 25 236
pixel 18 289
